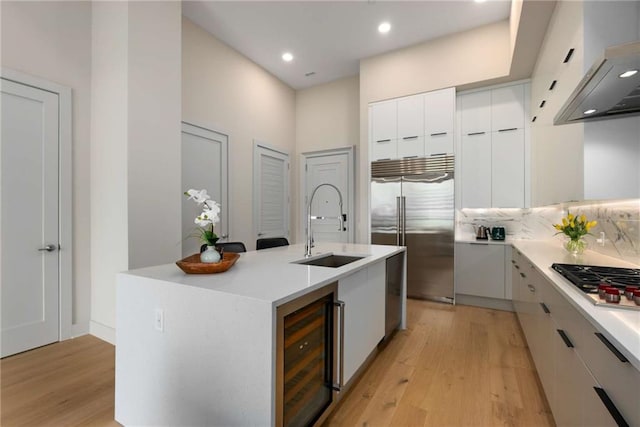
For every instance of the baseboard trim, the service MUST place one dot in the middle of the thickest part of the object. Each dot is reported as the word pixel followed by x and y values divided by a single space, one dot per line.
pixel 493 303
pixel 79 329
pixel 103 332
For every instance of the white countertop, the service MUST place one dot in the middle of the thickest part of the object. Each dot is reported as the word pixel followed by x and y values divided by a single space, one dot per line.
pixel 621 327
pixel 473 240
pixel 269 274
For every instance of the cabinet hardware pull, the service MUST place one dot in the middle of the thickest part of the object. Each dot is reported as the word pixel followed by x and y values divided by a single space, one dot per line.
pixel 553 84
pixel 507 130
pixel 476 133
pixel 545 308
pixel 386 158
pixel 522 275
pixel 513 261
pixel 534 119
pixel 383 140
pixel 569 55
pixel 565 338
pixel 410 157
pixel 438 154
pixel 438 133
pixel 542 103
pixel 340 384
pixel 615 414
pixel 410 137
pixel 532 289
pixel 611 347
pixel 517 266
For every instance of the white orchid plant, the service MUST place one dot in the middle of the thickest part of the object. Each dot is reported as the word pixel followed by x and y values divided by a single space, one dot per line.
pixel 209 217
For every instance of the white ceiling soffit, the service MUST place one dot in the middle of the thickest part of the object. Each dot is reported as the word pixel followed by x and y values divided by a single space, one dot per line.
pixel 329 38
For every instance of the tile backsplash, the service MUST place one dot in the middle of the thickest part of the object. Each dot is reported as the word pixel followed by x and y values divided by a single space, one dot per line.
pixel 618 220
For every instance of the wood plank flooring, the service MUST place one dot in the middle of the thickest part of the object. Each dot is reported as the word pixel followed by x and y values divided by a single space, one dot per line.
pixel 453 366
pixel 70 383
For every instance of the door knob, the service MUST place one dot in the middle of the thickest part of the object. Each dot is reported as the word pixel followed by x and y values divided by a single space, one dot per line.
pixel 48 248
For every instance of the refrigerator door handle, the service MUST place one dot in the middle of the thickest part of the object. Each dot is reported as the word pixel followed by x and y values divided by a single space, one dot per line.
pixel 398 221
pixel 404 221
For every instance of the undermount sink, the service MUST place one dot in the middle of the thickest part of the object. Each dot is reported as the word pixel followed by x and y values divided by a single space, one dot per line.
pixel 330 260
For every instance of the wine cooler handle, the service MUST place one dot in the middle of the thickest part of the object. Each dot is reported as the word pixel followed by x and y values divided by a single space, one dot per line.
pixel 340 384
pixel 404 221
pixel 398 215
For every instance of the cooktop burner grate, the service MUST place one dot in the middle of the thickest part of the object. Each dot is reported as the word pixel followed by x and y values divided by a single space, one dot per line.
pixel 588 277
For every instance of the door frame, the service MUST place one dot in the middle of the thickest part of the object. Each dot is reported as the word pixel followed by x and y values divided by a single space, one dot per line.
pixel 256 158
pixel 184 127
pixel 65 197
pixel 351 179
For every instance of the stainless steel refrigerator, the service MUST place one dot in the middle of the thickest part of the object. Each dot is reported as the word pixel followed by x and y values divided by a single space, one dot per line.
pixel 412 205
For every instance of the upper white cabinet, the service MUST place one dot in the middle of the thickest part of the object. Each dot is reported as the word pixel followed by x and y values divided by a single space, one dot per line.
pixel 384 121
pixel 413 126
pixel 507 108
pixel 494 159
pixel 439 121
pixel 475 112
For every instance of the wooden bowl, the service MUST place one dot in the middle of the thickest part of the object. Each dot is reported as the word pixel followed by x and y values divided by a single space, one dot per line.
pixel 192 264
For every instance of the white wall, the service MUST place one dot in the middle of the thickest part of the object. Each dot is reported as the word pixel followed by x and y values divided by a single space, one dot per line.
pixel 327 115
pixel 154 107
pixel 109 222
pixel 135 155
pixel 52 41
pixel 226 92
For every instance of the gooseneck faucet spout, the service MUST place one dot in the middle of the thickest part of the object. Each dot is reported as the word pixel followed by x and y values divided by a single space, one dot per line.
pixel 342 217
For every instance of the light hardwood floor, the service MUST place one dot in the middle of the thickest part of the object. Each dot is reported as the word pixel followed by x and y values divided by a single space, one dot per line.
pixel 453 366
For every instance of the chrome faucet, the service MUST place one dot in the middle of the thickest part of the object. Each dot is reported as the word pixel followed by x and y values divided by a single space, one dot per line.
pixel 342 218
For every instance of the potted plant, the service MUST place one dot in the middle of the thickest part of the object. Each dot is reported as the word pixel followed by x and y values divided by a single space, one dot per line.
pixel 207 219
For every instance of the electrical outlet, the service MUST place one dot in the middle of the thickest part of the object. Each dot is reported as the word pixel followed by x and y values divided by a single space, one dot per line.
pixel 159 320
pixel 601 241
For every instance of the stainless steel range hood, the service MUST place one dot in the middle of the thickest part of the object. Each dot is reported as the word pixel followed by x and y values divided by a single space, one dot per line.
pixel 604 90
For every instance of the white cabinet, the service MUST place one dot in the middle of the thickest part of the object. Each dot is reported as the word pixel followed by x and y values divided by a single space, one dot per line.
pixel 363 294
pixel 385 149
pixel 384 121
pixel 413 126
pixel 571 359
pixel 439 119
pixel 476 170
pixel 475 112
pixel 479 270
pixel 507 168
pixel 507 108
pixel 494 148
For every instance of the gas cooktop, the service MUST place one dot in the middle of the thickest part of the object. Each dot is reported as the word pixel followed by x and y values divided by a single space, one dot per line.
pixel 588 277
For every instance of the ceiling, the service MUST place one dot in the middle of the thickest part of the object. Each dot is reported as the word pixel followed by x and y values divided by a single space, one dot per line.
pixel 329 38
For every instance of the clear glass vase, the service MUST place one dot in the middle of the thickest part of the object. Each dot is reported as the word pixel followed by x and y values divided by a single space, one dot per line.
pixel 576 246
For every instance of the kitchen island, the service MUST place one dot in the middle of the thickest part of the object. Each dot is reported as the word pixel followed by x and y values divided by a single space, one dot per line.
pixel 201 349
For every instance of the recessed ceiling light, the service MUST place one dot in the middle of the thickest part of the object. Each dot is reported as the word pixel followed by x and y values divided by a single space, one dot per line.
pixel 384 27
pixel 287 57
pixel 628 73
pixel 480 1
pixel 591 111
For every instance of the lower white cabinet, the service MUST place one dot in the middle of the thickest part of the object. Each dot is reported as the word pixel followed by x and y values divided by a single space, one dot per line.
pixel 479 269
pixel 586 381
pixel 363 294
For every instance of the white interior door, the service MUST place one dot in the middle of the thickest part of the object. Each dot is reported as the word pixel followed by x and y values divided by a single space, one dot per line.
pixel 30 273
pixel 334 168
pixel 271 192
pixel 204 165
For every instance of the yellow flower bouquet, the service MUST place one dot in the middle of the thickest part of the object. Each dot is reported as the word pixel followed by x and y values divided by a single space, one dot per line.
pixel 575 227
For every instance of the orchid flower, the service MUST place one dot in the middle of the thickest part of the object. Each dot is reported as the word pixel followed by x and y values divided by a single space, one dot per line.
pixel 199 197
pixel 209 217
